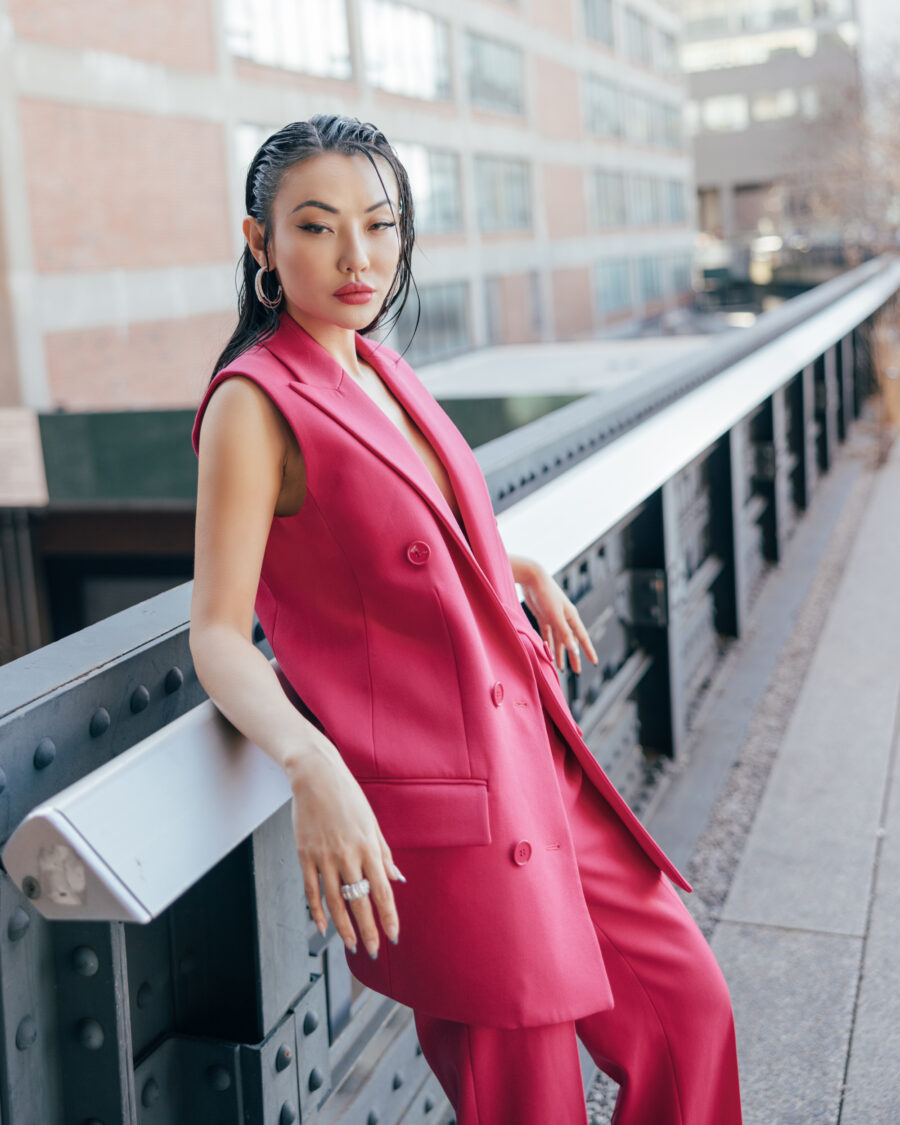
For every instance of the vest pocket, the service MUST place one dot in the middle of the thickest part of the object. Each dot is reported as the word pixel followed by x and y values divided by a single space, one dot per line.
pixel 430 812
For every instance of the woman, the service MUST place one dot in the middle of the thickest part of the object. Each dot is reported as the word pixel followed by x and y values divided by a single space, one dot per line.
pixel 337 499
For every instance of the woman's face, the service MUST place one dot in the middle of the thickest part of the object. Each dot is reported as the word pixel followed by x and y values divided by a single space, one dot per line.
pixel 333 229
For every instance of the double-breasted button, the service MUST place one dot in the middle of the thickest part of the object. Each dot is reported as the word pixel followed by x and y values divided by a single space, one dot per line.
pixel 418 551
pixel 521 853
pixel 497 693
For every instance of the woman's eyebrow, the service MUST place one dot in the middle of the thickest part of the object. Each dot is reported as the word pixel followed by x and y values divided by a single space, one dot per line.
pixel 334 210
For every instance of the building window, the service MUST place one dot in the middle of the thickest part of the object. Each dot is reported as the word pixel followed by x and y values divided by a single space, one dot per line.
pixel 809 101
pixel 638 40
pixel 603 107
pixel 496 77
pixel 727 113
pixel 304 35
pixel 642 118
pixel 598 22
pixel 612 280
pixel 407 51
pixel 672 126
pixel 434 177
pixel 503 190
pixel 676 210
pixel 679 280
pixel 608 199
pixel 443 323
pixel 649 279
pixel 667 54
pixel 645 201
pixel 775 106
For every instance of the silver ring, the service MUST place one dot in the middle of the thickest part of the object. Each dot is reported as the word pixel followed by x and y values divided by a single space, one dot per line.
pixel 360 889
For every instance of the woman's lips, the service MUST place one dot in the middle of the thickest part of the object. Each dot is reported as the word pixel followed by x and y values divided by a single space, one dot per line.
pixel 354 294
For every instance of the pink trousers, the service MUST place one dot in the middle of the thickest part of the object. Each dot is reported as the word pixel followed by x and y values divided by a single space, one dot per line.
pixel 669 1039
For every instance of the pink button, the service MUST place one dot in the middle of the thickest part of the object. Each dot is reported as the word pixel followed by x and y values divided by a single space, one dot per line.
pixel 497 693
pixel 521 853
pixel 418 551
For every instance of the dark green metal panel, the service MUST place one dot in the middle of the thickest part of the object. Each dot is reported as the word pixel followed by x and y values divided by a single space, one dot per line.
pixel 128 455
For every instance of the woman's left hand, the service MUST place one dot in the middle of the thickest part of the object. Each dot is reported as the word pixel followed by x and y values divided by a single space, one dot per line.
pixel 558 620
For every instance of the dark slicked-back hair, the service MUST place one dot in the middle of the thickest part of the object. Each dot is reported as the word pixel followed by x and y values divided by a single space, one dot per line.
pixel 325 132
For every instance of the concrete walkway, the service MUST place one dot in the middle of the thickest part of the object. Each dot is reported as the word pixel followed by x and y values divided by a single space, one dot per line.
pixel 785 812
pixel 809 936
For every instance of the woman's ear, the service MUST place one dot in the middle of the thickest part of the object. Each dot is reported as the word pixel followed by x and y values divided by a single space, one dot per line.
pixel 255 234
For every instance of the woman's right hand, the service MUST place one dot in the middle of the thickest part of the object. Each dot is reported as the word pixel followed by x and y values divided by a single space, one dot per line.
pixel 338 837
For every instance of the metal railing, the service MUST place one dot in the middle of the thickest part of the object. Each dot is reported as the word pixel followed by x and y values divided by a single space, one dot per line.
pixel 157 958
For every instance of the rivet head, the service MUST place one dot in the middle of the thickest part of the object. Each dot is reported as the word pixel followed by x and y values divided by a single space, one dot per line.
pixel 373 1118
pixel 90 1034
pixel 2 780
pixel 218 1077
pixel 85 961
pixel 316 1078
pixel 144 994
pixel 150 1092
pixel 174 680
pixel 31 888
pixel 310 1023
pixel 140 698
pixel 26 1033
pixel 100 721
pixel 18 923
pixel 418 1049
pixel 44 753
pixel 398 1081
pixel 283 1057
pixel 429 1105
pixel 287 1115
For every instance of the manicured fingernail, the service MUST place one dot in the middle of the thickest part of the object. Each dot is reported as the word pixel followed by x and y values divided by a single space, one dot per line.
pixel 321 927
pixel 398 874
pixel 373 950
pixel 392 934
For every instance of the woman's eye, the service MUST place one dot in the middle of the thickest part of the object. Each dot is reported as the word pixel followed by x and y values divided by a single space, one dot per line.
pixel 316 228
pixel 382 226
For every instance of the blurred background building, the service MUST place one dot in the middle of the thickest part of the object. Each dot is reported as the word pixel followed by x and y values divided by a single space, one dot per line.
pixel 775 114
pixel 554 195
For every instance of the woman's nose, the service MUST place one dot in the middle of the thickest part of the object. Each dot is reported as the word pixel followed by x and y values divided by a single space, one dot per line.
pixel 353 257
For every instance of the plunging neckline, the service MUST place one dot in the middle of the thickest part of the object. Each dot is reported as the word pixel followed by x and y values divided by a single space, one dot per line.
pixel 455 506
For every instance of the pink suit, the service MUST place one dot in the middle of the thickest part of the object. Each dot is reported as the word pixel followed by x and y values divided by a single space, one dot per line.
pixel 407 641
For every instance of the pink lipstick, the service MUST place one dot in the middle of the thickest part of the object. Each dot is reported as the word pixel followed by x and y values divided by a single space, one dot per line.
pixel 355 293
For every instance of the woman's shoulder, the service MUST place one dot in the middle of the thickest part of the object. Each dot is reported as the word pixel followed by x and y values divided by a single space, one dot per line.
pixel 254 376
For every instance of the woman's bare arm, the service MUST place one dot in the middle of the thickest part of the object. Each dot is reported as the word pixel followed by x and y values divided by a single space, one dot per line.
pixel 242 451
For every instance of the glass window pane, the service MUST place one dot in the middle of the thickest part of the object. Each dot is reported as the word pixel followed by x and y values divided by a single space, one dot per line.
pixel 726 113
pixel 434 177
pixel 503 190
pixel 495 75
pixel 638 43
pixel 612 279
pixel 608 202
pixel 407 51
pixel 649 279
pixel 598 22
pixel 304 35
pixel 443 325
pixel 603 107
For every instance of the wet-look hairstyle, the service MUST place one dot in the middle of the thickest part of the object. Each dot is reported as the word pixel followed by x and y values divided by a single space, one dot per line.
pixel 324 132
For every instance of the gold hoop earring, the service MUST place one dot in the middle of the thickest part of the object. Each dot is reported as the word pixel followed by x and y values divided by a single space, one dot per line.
pixel 269 302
